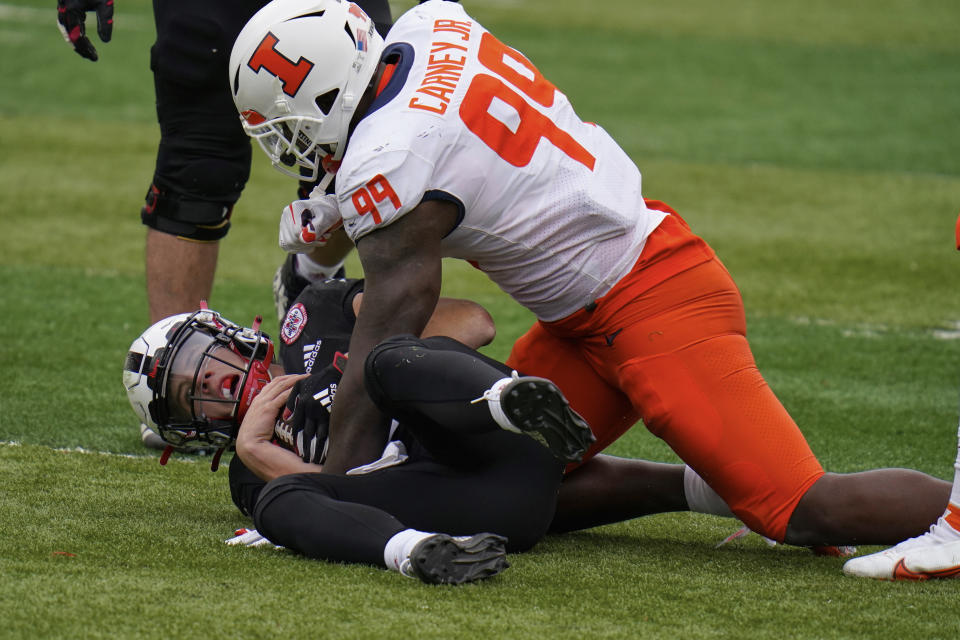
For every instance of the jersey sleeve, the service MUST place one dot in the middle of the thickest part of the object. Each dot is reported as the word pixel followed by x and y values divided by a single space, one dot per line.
pixel 379 191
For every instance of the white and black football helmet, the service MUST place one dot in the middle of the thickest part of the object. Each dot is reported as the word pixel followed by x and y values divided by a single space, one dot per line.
pixel 169 381
pixel 298 70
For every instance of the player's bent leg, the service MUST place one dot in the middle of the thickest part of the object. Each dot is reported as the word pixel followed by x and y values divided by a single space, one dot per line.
pixel 299 512
pixel 881 506
pixel 460 390
pixel 436 379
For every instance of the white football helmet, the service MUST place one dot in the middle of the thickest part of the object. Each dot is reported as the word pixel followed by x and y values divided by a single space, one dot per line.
pixel 191 377
pixel 297 71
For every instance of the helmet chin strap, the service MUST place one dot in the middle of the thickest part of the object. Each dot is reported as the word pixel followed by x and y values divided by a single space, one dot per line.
pixel 325 181
pixel 215 462
pixel 257 378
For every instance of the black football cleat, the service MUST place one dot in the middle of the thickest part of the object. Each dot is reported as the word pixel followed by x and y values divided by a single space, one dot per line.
pixel 443 559
pixel 536 407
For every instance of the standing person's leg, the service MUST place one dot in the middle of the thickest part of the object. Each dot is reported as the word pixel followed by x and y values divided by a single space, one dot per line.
pixel 203 159
pixel 179 273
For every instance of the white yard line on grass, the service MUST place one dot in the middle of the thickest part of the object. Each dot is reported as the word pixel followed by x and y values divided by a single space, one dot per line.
pixel 951 331
pixel 134 456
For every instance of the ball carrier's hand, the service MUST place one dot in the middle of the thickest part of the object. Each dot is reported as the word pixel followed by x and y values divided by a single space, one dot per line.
pixel 71 19
pixel 254 446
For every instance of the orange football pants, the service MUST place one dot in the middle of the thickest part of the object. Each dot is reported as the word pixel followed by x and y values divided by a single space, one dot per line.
pixel 667 344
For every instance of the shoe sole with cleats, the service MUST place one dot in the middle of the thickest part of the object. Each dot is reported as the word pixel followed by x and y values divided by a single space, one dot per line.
pixel 538 408
pixel 443 559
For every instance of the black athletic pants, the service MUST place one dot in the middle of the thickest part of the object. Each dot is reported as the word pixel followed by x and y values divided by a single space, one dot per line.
pixel 475 477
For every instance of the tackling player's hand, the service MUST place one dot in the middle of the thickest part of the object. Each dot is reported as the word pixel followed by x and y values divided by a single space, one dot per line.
pixel 71 18
pixel 305 422
pixel 305 224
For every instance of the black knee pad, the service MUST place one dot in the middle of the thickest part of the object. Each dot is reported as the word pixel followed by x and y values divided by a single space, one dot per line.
pixel 384 357
pixel 199 220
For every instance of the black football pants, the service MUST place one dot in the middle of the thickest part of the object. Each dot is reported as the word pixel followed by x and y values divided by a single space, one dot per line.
pixel 473 477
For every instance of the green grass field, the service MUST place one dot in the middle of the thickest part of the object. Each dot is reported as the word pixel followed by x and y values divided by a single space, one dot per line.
pixel 814 143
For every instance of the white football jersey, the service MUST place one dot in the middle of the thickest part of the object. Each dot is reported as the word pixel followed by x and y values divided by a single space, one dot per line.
pixel 550 206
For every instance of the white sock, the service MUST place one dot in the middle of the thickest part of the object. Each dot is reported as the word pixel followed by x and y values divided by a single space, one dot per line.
pixel 701 498
pixel 948 526
pixel 314 271
pixel 955 491
pixel 399 547
pixel 492 396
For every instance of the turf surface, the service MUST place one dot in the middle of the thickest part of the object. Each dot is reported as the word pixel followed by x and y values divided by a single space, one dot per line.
pixel 813 143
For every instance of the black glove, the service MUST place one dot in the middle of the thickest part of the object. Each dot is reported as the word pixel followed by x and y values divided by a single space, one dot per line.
pixel 305 421
pixel 71 15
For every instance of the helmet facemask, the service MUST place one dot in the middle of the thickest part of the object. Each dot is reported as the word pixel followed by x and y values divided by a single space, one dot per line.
pixel 203 378
pixel 288 144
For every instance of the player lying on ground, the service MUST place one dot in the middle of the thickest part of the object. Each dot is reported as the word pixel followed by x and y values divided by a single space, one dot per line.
pixel 448 143
pixel 208 357
pixel 458 476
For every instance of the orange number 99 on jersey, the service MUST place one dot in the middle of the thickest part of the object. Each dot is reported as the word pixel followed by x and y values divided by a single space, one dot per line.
pixel 378 189
pixel 515 146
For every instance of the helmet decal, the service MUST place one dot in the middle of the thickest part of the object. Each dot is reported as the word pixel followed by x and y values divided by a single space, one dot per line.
pixel 294 323
pixel 290 73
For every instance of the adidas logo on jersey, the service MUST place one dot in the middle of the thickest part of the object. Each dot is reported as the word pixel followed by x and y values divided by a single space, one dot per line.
pixel 310 353
pixel 325 396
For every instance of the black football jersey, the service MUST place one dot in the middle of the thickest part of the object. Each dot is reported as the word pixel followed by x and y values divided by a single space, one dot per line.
pixel 318 325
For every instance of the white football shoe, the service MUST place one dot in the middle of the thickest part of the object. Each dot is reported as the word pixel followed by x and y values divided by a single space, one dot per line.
pixel 935 554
